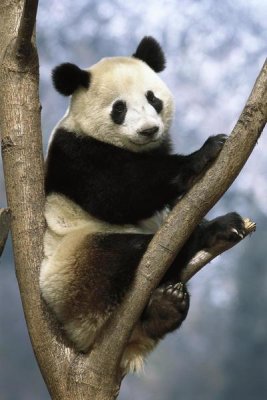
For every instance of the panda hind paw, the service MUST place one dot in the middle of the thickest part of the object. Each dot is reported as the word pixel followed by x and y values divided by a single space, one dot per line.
pixel 176 294
pixel 227 228
pixel 167 309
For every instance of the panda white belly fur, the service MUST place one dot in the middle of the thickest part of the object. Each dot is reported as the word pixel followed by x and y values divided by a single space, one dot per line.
pixel 63 217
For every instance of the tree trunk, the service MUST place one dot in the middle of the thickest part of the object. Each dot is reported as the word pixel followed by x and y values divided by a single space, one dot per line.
pixel 23 170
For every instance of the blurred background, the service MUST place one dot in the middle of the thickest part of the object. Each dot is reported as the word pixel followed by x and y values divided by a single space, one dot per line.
pixel 214 52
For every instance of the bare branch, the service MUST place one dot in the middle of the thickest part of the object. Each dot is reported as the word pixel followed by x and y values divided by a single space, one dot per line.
pixel 26 27
pixel 204 257
pixel 4 227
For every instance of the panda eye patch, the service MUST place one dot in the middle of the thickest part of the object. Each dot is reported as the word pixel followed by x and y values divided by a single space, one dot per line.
pixel 118 112
pixel 154 101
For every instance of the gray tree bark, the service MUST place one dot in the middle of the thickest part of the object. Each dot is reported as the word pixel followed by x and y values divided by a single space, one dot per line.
pixel 69 375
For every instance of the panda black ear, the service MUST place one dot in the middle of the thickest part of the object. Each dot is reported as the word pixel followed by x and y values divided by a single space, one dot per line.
pixel 150 51
pixel 68 77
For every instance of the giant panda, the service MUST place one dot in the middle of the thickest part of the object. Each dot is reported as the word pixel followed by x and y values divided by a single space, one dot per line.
pixel 111 179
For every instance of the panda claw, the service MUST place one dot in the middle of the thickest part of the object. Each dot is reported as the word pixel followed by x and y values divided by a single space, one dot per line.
pixel 176 290
pixel 240 234
pixel 234 230
pixel 223 137
pixel 177 286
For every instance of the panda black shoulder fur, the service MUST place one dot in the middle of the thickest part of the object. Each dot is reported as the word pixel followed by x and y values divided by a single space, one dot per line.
pixel 110 182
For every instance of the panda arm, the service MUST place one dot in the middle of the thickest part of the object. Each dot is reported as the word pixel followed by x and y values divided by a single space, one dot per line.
pixel 117 185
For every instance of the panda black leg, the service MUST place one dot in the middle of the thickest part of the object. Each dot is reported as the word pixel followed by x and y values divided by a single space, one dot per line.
pixel 166 310
pixel 226 228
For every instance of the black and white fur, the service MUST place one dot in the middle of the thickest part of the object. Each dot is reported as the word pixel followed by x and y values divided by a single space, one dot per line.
pixel 111 180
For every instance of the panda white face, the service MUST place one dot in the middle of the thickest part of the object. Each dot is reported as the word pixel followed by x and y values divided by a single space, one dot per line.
pixel 126 104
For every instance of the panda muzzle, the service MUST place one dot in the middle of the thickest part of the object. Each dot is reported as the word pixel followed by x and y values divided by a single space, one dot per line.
pixel 149 132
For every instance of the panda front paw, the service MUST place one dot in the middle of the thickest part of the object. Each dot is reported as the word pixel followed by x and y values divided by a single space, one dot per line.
pixel 207 153
pixel 213 146
pixel 227 228
pixel 167 308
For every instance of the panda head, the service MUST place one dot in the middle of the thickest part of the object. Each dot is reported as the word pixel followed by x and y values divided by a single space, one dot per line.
pixel 119 100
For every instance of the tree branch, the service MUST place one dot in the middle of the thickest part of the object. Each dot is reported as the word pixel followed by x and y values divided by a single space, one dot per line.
pixel 4 227
pixel 26 27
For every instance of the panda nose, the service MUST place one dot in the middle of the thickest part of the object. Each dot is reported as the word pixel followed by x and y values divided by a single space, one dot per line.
pixel 149 132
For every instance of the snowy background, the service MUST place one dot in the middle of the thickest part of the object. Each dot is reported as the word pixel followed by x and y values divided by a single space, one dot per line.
pixel 214 52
